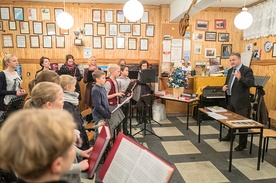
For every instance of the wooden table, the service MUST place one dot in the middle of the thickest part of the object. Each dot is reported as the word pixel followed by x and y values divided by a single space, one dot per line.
pixel 190 103
pixel 233 127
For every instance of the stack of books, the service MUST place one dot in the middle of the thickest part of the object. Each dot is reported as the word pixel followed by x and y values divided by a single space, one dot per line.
pixel 189 95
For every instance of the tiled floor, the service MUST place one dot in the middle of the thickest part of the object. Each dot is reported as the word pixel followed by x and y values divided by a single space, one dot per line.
pixel 206 161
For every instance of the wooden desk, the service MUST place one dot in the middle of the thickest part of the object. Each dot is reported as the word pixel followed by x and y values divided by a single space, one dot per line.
pixel 189 103
pixel 233 127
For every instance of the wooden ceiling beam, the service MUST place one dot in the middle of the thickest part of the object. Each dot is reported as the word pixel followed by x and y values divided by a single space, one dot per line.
pixel 257 2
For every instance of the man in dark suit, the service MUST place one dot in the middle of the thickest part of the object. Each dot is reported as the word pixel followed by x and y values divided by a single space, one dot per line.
pixel 239 79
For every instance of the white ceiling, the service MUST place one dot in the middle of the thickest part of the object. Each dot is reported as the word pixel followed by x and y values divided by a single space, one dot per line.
pixel 220 3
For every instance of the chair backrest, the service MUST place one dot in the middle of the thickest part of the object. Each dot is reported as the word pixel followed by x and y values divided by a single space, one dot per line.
pixel 271 115
pixel 86 112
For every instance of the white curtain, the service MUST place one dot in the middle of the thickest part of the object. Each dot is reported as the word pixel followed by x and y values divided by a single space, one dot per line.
pixel 264 21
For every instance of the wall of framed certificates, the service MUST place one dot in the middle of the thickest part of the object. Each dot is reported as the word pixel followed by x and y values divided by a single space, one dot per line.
pixel 106 28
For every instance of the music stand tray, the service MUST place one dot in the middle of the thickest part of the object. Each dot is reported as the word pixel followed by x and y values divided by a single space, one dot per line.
pixel 261 80
pixel 15 104
pixel 148 76
pixel 133 74
pixel 143 103
pixel 89 77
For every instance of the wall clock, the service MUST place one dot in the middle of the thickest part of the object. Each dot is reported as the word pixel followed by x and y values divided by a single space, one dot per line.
pixel 267 46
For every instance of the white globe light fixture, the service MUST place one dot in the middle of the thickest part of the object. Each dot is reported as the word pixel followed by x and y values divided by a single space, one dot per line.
pixel 65 20
pixel 244 19
pixel 133 10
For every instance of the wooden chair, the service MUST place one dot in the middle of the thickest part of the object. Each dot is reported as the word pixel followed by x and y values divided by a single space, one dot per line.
pixel 267 133
pixel 89 126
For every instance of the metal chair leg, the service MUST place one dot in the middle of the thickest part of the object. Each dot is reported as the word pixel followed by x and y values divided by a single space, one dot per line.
pixel 251 144
pixel 263 150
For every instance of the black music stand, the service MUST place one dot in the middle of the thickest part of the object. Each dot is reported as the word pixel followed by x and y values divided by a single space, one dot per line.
pixel 65 72
pixel 148 76
pixel 90 77
pixel 133 74
pixel 15 104
pixel 143 103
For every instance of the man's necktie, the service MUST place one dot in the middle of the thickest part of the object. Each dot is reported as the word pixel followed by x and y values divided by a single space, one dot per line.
pixel 230 82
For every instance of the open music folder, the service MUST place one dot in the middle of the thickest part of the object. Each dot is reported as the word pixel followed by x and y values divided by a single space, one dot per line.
pixel 98 150
pixel 129 161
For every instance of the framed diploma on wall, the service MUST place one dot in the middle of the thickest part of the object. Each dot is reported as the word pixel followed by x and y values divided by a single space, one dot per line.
pixel 7 41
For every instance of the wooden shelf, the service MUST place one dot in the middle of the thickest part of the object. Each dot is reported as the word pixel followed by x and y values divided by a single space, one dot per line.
pixel 264 62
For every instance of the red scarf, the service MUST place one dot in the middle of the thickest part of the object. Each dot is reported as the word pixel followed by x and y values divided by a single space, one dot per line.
pixel 71 67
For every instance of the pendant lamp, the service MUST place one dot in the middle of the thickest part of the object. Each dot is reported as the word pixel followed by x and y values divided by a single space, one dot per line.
pixel 244 19
pixel 65 20
pixel 133 10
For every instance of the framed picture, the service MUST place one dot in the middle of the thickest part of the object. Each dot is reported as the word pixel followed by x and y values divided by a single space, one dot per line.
pixel 108 16
pixel 21 41
pixel 210 53
pixel 113 29
pixel 136 30
pixel 34 42
pixel 57 12
pixel 51 29
pixel 197 49
pixel 37 27
pixel 202 25
pixel 149 30
pixel 1 25
pixel 45 14
pixel 132 43
pixel 220 24
pixel 223 37
pixel 226 50
pixel 96 15
pixel 124 28
pixel 120 43
pixel 47 41
pixel 60 41
pixel 97 42
pixel 88 29
pixel 210 36
pixel 18 13
pixel 274 50
pixel 145 18
pixel 198 36
pixel 24 27
pixel 63 31
pixel 215 61
pixel 12 25
pixel 144 44
pixel 32 14
pixel 101 29
pixel 5 13
pixel 109 43
pixel 120 16
pixel 7 41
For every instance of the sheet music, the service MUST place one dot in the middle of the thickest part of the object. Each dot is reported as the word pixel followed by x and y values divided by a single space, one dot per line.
pixel 122 163
pixel 120 105
pixel 216 109
pixel 216 116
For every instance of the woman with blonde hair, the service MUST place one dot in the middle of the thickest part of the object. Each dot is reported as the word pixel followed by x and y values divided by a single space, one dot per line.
pixel 39 144
pixel 92 66
pixel 9 81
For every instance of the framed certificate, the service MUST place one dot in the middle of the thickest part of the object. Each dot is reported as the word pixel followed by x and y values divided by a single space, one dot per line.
pixel 21 41
pixel 97 42
pixel 120 43
pixel 125 28
pixel 132 43
pixel 5 13
pixel 51 29
pixel 88 29
pixel 108 16
pixel 144 42
pixel 109 43
pixel 149 30
pixel 96 15
pixel 60 41
pixel 32 14
pixel 34 42
pixel 37 28
pixel 24 27
pixel 120 16
pixel 57 12
pixel 47 41
pixel 113 29
pixel 136 30
pixel 101 29
pixel 45 14
pixel 12 25
pixel 7 40
pixel 18 13
pixel 145 17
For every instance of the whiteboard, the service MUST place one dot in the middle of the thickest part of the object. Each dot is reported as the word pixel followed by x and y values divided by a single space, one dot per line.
pixel 246 58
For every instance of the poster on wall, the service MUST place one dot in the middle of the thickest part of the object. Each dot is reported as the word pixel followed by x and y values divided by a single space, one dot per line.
pixel 87 52
pixel 176 54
